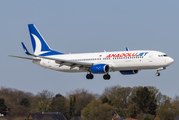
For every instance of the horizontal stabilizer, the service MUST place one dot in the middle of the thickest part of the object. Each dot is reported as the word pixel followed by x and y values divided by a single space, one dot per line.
pixel 25 49
pixel 24 57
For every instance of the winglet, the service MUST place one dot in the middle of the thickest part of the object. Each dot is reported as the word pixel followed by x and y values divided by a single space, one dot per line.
pixel 127 49
pixel 25 49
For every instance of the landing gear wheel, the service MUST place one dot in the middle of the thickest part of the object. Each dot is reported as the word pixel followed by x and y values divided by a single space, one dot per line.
pixel 106 77
pixel 157 74
pixel 89 76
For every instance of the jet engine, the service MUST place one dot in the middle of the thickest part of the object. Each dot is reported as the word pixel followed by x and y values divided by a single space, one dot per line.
pixel 129 72
pixel 100 68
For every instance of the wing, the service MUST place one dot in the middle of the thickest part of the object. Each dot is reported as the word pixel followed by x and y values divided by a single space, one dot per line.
pixel 72 64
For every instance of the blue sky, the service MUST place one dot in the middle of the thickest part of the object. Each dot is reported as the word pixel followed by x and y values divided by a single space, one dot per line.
pixel 88 26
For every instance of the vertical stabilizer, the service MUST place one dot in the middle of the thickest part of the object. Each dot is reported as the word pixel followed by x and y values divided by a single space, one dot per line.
pixel 40 47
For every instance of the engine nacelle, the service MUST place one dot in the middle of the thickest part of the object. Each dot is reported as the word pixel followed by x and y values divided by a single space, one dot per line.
pixel 129 72
pixel 100 68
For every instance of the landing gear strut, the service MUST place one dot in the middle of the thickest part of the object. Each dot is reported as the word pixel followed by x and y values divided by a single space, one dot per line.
pixel 89 76
pixel 106 77
pixel 159 69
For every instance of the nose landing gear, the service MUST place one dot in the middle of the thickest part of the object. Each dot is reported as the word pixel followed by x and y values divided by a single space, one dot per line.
pixel 159 69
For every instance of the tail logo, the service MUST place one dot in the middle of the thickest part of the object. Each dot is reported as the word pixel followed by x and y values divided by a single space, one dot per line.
pixel 38 46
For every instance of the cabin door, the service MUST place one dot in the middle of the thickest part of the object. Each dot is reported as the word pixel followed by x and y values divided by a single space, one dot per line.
pixel 150 58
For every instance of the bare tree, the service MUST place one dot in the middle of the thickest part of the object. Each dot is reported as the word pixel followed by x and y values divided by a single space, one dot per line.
pixel 175 101
pixel 79 99
pixel 19 111
pixel 13 96
pixel 45 95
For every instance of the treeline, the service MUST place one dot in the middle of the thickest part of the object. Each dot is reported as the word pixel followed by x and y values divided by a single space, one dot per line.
pixel 143 103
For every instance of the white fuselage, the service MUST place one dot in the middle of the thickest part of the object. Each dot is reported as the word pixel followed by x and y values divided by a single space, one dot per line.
pixel 119 60
pixel 127 62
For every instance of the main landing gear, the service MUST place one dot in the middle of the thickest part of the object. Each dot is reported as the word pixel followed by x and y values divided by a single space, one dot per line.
pixel 90 76
pixel 106 77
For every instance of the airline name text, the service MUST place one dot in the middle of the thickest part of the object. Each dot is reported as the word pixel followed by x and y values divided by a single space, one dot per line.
pixel 127 54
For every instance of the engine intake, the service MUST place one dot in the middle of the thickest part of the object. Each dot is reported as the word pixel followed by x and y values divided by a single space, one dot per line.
pixel 100 68
pixel 129 72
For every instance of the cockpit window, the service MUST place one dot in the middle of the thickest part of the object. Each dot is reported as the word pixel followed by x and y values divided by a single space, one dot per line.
pixel 162 55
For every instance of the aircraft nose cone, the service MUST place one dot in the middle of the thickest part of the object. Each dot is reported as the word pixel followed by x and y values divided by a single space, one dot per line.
pixel 171 60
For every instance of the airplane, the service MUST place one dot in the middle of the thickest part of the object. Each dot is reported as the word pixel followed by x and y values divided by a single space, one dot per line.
pixel 126 62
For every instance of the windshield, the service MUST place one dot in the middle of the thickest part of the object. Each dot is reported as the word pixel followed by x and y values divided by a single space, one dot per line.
pixel 162 55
